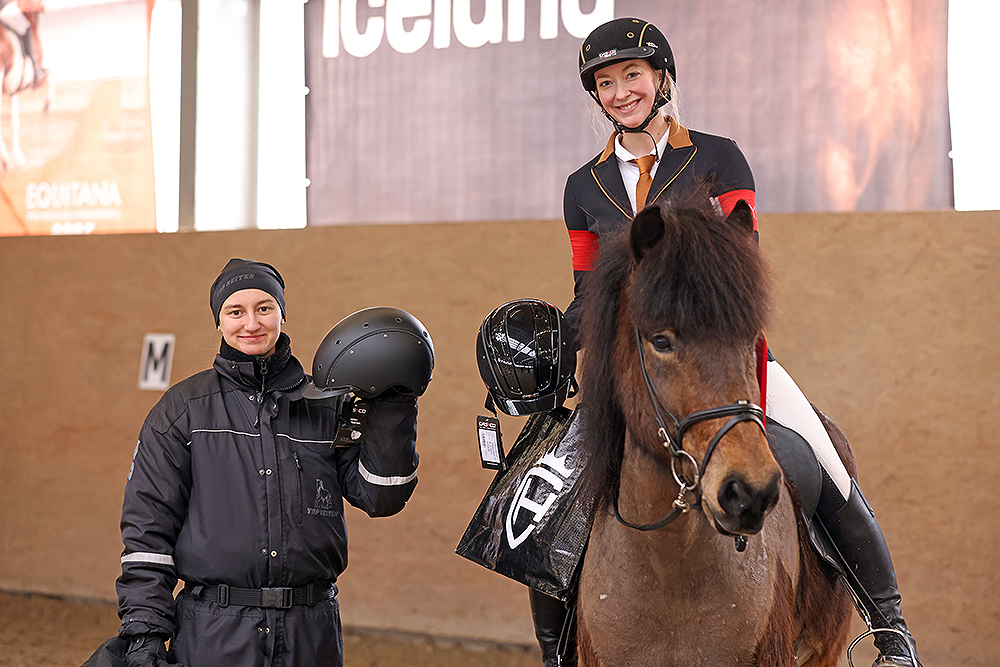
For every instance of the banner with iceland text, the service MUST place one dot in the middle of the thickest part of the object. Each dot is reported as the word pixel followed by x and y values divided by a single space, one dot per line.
pixel 77 147
pixel 464 110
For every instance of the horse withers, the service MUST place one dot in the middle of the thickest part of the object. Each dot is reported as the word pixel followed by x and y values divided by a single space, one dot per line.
pixel 697 554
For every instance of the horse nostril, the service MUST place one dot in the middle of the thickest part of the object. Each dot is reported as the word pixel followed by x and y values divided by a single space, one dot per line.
pixel 734 496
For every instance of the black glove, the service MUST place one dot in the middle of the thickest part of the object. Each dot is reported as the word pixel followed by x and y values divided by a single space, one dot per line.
pixel 147 651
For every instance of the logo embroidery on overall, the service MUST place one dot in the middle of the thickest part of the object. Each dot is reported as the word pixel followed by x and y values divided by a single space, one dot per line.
pixel 323 502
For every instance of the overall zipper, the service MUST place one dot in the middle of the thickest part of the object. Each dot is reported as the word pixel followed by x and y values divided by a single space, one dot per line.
pixel 298 488
pixel 260 394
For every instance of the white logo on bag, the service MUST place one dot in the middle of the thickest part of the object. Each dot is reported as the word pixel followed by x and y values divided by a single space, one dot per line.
pixel 550 469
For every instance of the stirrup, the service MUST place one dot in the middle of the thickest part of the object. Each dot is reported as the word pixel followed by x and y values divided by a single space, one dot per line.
pixel 909 659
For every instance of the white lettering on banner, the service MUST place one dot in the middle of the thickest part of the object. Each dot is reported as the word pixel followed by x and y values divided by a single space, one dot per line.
pixel 401 39
pixel 434 20
pixel 545 470
pixel 71 194
pixel 474 35
pixel 72 207
pixel 71 228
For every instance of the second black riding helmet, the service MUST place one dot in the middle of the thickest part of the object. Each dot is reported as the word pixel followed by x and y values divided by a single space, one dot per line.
pixel 525 358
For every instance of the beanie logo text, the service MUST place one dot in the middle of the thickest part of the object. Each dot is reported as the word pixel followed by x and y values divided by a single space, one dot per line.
pixel 234 279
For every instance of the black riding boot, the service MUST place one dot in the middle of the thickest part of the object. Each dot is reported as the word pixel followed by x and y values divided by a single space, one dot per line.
pixel 856 534
pixel 553 629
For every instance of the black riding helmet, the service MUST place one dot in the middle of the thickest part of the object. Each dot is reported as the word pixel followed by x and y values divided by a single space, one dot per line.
pixel 626 39
pixel 371 351
pixel 525 357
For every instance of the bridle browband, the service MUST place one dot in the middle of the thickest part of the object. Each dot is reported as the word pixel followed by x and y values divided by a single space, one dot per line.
pixel 740 411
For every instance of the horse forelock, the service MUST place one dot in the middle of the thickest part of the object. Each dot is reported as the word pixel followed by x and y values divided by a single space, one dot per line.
pixel 705 279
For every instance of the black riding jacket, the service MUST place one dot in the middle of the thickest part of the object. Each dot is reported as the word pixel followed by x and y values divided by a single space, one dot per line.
pixel 237 482
pixel 595 201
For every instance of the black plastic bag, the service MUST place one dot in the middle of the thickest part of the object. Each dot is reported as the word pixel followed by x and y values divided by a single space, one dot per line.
pixel 532 525
pixel 109 654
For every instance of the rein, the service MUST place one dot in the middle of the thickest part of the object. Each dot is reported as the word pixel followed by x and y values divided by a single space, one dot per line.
pixel 740 411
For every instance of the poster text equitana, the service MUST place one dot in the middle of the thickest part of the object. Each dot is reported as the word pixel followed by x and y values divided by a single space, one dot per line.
pixel 408 25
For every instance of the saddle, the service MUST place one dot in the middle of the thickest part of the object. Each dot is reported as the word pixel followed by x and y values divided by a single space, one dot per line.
pixel 802 470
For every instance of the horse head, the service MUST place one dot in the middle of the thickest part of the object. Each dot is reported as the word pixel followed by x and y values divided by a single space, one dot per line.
pixel 686 294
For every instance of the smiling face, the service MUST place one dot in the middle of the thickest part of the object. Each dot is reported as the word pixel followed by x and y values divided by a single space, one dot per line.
pixel 627 90
pixel 250 321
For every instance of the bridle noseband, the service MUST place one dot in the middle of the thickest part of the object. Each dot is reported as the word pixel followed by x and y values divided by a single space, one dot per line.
pixel 740 411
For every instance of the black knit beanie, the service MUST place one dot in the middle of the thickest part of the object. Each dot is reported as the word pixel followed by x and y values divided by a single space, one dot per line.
pixel 240 274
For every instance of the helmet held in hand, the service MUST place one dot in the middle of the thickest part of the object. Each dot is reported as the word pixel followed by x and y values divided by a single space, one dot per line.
pixel 371 351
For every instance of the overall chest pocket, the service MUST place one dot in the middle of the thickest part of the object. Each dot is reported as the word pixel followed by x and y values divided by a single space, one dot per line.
pixel 317 489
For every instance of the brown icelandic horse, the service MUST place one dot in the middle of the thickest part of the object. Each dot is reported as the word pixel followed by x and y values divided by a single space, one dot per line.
pixel 727 576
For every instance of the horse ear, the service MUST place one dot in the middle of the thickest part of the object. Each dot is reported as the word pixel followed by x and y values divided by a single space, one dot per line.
pixel 742 215
pixel 647 230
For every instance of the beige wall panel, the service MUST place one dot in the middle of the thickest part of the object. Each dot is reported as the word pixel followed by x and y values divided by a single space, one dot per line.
pixel 887 321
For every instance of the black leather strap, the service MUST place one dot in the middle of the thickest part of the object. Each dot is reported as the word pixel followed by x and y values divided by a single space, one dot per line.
pixel 269 598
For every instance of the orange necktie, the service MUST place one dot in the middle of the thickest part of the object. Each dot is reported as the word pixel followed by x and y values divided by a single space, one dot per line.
pixel 645 180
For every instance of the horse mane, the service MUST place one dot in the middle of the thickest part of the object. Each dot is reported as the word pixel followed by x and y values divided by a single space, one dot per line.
pixel 705 279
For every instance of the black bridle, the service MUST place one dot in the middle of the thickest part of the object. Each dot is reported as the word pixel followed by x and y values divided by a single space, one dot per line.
pixel 740 411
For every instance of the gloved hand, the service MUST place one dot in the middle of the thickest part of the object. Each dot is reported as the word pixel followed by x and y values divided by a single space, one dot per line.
pixel 147 651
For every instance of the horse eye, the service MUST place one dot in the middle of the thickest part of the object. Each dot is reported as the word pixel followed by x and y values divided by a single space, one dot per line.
pixel 662 343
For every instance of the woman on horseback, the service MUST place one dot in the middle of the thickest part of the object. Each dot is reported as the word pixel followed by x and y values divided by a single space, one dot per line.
pixel 627 67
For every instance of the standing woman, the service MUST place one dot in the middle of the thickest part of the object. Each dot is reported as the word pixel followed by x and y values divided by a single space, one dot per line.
pixel 237 488
pixel 627 67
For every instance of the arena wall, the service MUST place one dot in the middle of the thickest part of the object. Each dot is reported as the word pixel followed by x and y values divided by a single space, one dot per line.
pixel 887 321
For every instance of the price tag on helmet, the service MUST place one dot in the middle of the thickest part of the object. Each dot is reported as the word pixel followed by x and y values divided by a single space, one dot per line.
pixel 490 443
pixel 353 423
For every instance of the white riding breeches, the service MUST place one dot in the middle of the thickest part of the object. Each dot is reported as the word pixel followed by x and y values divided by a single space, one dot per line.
pixel 788 406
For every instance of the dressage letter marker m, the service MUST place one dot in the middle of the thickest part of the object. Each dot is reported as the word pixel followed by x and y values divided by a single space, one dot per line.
pixel 157 359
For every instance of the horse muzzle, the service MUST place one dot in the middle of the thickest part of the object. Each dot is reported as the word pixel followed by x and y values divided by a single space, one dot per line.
pixel 741 506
